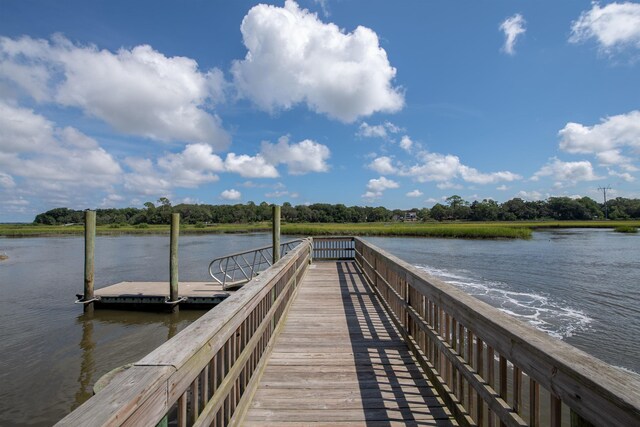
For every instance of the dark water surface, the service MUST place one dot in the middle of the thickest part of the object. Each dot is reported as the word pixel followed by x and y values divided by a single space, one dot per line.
pixel 579 285
pixel 50 353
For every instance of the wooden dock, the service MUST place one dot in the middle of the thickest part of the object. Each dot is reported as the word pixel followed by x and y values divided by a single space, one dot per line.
pixel 340 332
pixel 340 359
pixel 151 295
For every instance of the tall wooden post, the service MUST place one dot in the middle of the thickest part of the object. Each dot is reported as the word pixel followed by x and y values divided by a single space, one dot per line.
pixel 173 257
pixel 276 233
pixel 89 253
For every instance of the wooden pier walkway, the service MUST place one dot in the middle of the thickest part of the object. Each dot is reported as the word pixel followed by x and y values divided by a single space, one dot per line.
pixel 339 360
pixel 340 332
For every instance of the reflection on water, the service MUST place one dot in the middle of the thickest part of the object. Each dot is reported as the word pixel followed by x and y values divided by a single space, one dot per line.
pixel 51 354
pixel 87 366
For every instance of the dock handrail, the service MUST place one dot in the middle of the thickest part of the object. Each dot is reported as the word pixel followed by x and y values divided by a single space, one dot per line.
pixel 204 374
pixel 236 269
pixel 481 359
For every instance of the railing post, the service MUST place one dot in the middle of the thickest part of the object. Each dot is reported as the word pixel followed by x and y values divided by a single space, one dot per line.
pixel 89 253
pixel 173 258
pixel 276 233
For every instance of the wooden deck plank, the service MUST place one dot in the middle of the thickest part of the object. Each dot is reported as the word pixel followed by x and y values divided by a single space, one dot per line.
pixel 188 289
pixel 340 361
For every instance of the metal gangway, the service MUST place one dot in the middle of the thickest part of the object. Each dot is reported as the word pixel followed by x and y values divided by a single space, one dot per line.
pixel 233 271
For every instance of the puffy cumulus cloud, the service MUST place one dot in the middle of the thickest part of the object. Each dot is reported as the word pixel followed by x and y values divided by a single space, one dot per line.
pixel 382 130
pixel 193 166
pixel 138 91
pixel 381 184
pixel 22 130
pixel 52 158
pixel 605 140
pixel 414 193
pixel 406 143
pixel 376 187
pixel 512 28
pixel 614 26
pixel 474 176
pixel 250 166
pixel 294 58
pixel 624 175
pixel 440 168
pixel 144 178
pixel 301 158
pixel 567 172
pixel 231 194
pixel 383 165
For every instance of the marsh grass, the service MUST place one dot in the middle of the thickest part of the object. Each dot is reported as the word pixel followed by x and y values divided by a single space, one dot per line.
pixel 470 230
pixel 626 229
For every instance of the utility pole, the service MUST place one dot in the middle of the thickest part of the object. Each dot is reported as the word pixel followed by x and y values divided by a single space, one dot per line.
pixel 604 193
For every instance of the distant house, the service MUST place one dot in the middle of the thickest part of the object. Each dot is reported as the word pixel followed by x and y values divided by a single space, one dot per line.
pixel 411 216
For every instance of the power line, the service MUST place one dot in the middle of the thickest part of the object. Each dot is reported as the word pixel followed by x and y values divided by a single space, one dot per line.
pixel 604 194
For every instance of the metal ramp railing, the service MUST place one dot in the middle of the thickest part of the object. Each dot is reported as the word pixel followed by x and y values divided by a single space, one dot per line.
pixel 232 271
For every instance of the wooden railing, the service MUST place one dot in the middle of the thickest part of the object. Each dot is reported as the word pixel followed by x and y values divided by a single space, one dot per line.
pixel 489 368
pixel 333 248
pixel 206 374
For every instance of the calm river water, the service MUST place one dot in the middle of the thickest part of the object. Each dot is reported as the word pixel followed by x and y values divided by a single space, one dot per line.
pixel 582 286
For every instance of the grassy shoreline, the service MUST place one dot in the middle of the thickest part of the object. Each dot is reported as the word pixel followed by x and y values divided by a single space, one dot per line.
pixel 472 230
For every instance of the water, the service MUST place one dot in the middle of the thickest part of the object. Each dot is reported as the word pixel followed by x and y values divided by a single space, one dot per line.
pixel 582 286
pixel 50 353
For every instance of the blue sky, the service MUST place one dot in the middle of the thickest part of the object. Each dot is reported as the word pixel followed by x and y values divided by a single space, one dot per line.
pixel 400 104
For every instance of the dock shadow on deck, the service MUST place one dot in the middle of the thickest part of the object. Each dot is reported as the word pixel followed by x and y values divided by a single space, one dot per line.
pixel 340 361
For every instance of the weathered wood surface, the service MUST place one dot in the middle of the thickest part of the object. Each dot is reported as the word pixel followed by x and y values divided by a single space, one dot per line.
pixel 161 289
pixel 340 361
pixel 596 391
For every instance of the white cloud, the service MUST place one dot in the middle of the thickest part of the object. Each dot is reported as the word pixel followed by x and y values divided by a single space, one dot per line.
pixel 406 143
pixel 301 158
pixel 512 27
pixel 22 130
pixel 51 158
pixel 231 194
pixel 530 195
pixel 605 140
pixel 502 187
pixel 624 175
pixel 567 172
pixel 281 194
pixel 193 166
pixel 414 193
pixel 138 91
pixel 377 131
pixel 447 185
pixel 614 26
pixel 250 166
pixel 323 5
pixel 381 184
pixel 295 58
pixel 383 165
pixel 473 175
pixel 145 179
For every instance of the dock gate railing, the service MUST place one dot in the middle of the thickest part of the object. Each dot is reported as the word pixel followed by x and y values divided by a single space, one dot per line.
pixel 489 368
pixel 234 270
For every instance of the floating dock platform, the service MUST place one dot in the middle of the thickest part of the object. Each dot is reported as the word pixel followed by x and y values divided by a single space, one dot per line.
pixel 155 295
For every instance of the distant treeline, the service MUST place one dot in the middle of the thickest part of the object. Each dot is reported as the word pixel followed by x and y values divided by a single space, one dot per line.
pixel 454 208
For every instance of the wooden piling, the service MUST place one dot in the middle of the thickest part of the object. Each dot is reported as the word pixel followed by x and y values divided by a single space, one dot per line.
pixel 89 253
pixel 173 257
pixel 276 233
